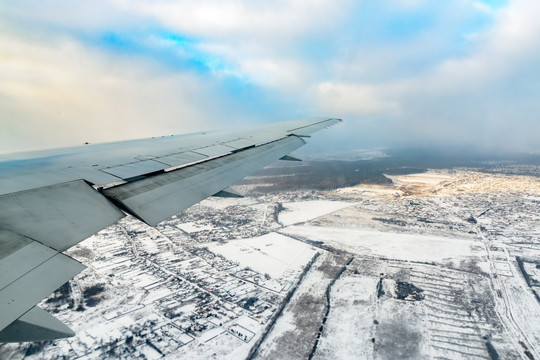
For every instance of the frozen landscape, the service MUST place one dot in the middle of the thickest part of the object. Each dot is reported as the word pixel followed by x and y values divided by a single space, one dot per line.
pixel 443 264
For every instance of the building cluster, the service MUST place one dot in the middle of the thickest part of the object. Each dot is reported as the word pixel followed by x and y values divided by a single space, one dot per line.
pixel 166 289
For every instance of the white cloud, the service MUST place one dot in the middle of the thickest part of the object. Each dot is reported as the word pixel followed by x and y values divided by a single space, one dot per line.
pixel 482 7
pixel 353 100
pixel 486 98
pixel 62 93
pixel 259 41
pixel 277 21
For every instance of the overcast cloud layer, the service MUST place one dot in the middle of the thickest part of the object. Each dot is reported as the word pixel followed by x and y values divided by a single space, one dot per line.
pixel 399 72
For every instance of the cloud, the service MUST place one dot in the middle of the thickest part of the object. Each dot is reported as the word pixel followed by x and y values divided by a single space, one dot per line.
pixel 483 98
pixel 486 97
pixel 65 93
pixel 460 73
pixel 233 21
pixel 353 100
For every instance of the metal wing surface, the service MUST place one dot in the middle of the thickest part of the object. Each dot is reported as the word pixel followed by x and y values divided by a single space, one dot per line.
pixel 51 200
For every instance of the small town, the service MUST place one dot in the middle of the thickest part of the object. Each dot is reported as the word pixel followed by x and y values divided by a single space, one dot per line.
pixel 223 278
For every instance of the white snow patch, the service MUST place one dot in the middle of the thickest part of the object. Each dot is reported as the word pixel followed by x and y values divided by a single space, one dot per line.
pixel 210 334
pixel 149 352
pixel 413 247
pixel 271 253
pixel 157 294
pixel 249 323
pixel 297 212
pixel 350 320
pixel 421 178
pixel 184 338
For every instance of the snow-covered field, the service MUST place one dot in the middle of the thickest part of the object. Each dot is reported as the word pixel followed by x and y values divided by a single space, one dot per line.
pixel 298 212
pixel 271 254
pixel 400 246
pixel 525 310
pixel 423 178
pixel 295 331
pixel 370 191
pixel 352 315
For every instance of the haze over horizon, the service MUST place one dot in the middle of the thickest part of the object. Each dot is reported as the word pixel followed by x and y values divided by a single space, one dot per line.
pixel 400 73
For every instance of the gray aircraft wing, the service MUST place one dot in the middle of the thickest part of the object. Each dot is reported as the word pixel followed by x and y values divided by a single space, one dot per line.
pixel 51 200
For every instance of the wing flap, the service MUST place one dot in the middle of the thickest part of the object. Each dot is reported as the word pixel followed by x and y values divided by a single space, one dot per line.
pixel 21 295
pixel 158 197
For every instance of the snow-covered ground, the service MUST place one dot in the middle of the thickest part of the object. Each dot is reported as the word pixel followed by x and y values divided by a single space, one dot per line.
pixel 188 294
pixel 295 331
pixel 298 212
pixel 352 315
pixel 415 247
pixel 423 178
pixel 271 254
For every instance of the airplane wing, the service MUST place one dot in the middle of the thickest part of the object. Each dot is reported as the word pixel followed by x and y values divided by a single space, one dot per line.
pixel 51 200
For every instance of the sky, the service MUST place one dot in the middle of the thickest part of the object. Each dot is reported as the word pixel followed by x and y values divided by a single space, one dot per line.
pixel 455 74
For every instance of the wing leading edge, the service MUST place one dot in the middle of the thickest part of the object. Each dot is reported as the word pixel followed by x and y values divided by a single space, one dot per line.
pixel 76 197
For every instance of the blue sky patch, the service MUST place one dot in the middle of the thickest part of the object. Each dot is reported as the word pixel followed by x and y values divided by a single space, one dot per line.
pixel 495 4
pixel 169 49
